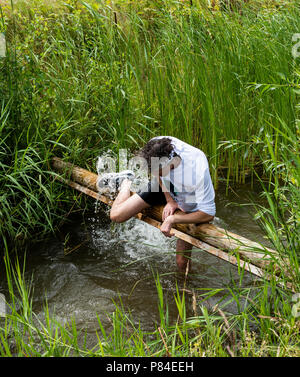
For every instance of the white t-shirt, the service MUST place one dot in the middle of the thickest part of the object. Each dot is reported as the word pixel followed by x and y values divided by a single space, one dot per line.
pixel 193 187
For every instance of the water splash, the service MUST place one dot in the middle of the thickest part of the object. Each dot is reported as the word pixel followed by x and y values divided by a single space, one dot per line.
pixel 105 165
pixel 107 169
pixel 138 239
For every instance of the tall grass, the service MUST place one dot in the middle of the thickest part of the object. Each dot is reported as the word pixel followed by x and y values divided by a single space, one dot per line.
pixel 83 76
pixel 264 325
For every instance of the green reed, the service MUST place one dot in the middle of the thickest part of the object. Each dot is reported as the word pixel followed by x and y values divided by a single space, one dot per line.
pixel 264 325
pixel 82 77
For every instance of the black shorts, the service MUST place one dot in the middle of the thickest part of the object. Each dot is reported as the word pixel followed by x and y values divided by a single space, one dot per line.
pixel 152 196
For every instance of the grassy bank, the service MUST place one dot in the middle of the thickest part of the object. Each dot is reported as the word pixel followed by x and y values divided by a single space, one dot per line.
pixel 81 77
pixel 255 331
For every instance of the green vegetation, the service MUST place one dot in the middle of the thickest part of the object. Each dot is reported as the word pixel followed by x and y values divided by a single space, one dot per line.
pixel 253 331
pixel 79 77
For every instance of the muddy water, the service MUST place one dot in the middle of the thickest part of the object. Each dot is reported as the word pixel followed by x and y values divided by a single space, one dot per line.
pixel 93 263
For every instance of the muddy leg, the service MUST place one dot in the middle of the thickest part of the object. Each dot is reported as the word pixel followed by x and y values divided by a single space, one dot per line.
pixel 183 256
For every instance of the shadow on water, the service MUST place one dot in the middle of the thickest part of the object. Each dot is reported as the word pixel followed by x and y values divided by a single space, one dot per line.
pixel 93 263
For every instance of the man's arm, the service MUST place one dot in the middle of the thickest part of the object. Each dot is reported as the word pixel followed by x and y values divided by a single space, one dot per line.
pixel 190 218
pixel 183 218
pixel 171 205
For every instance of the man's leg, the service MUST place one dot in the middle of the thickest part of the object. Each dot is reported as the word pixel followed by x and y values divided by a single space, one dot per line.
pixel 125 206
pixel 182 256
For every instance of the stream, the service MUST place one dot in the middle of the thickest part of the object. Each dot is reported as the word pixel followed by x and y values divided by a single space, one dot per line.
pixel 93 263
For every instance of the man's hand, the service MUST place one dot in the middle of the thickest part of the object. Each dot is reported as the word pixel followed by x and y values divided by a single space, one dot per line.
pixel 166 226
pixel 169 209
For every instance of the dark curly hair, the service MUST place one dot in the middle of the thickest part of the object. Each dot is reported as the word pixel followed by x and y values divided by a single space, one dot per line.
pixel 157 148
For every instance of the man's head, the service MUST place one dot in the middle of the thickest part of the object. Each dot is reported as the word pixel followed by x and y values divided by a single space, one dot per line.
pixel 160 156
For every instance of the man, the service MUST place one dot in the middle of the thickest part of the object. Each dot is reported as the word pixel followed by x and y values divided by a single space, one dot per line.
pixel 181 182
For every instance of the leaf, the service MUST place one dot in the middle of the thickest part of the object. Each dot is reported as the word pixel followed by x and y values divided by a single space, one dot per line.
pixel 281 75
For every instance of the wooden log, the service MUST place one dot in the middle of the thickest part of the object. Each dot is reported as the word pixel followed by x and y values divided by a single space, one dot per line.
pixel 209 234
pixel 75 173
pixel 244 265
pixel 178 234
pixel 206 247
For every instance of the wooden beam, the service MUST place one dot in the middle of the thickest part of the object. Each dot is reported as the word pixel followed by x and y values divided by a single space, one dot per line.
pixel 177 233
pixel 244 265
pixel 217 240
